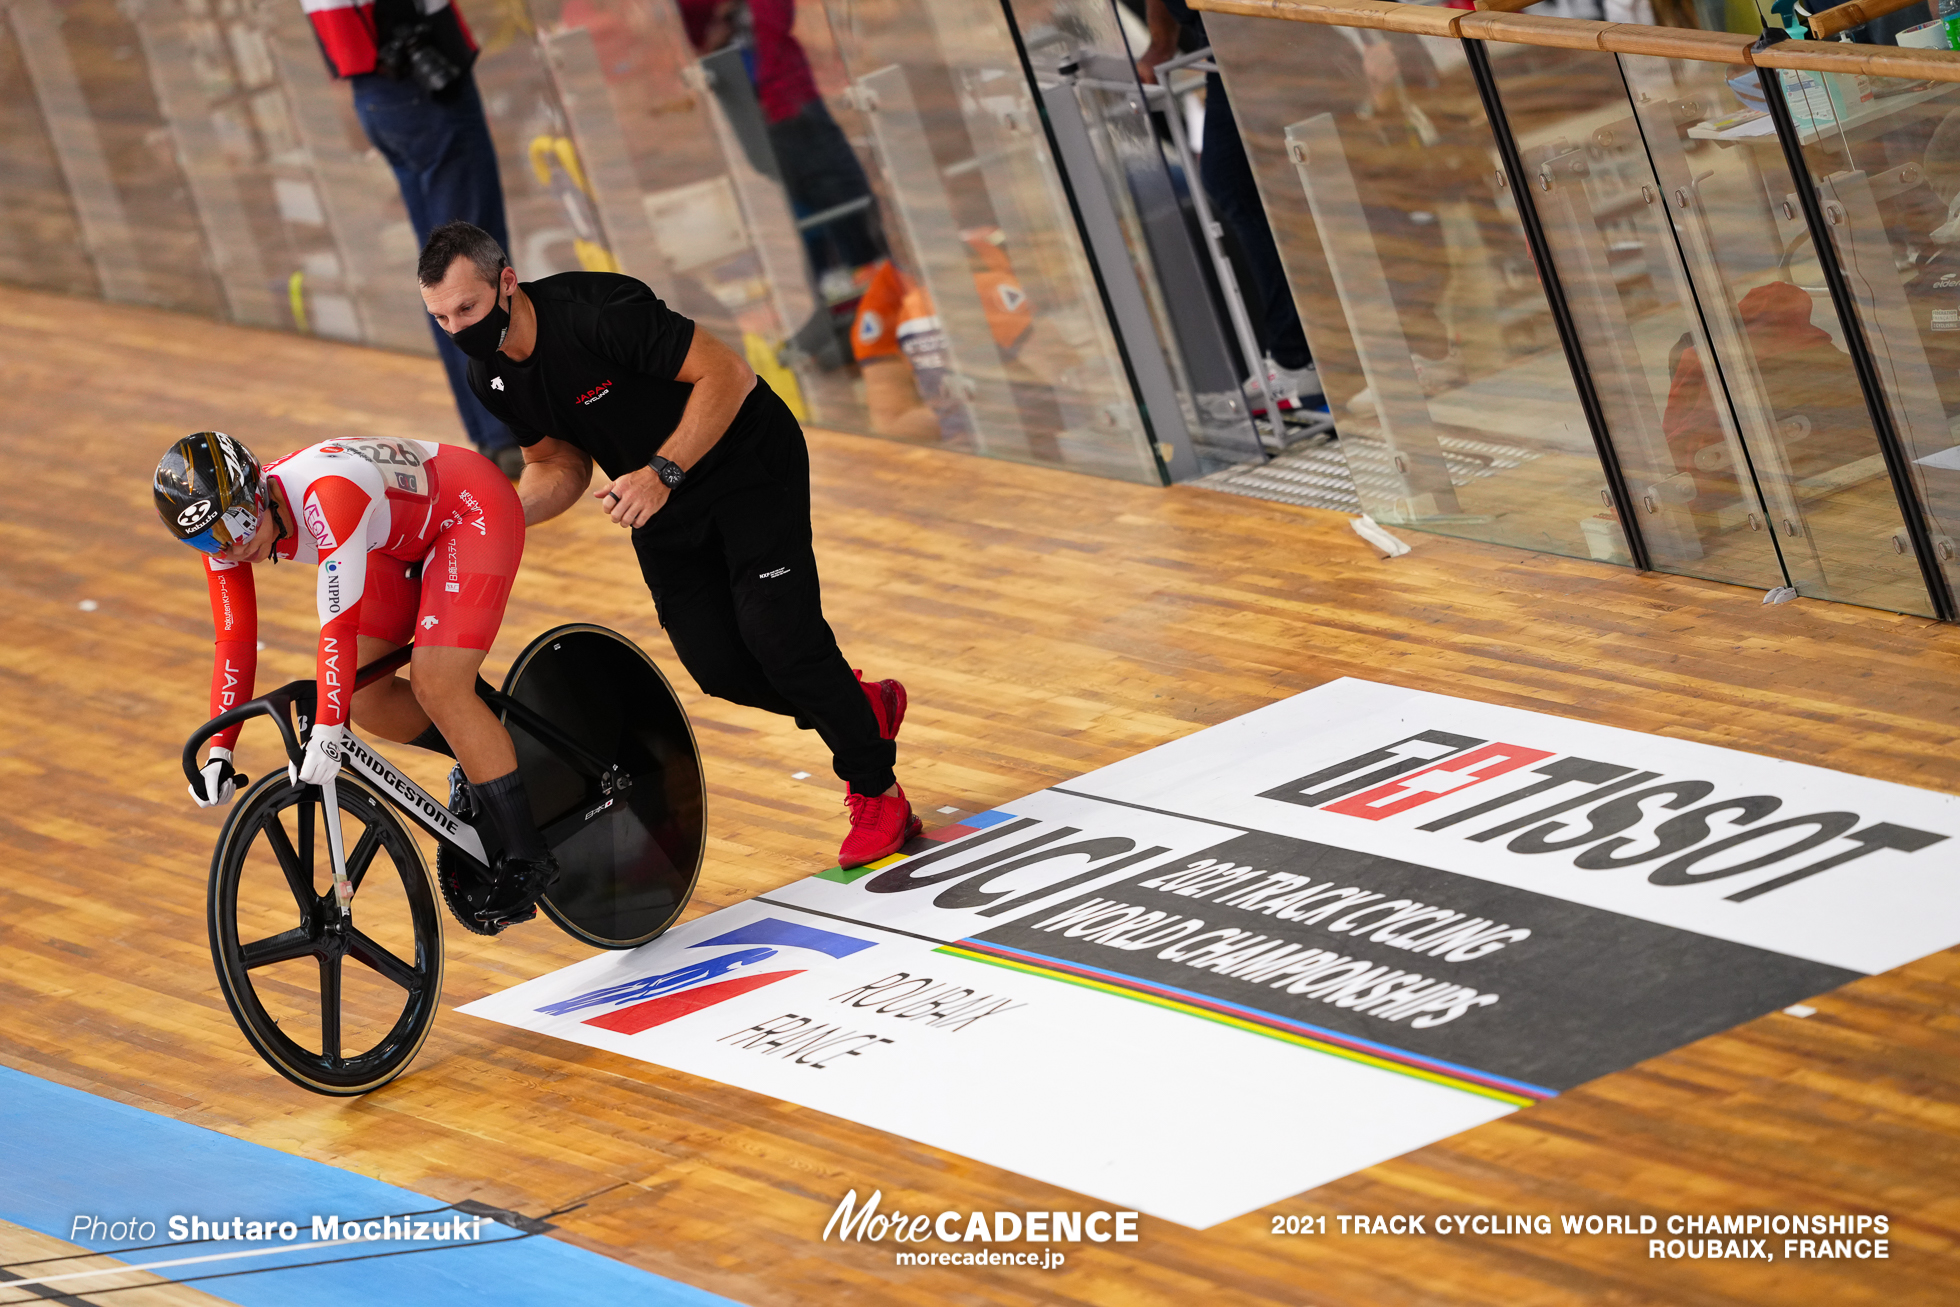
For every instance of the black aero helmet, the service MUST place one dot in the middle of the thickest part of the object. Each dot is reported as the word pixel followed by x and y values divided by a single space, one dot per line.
pixel 210 491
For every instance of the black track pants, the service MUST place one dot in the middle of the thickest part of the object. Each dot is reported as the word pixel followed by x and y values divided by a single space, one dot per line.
pixel 735 583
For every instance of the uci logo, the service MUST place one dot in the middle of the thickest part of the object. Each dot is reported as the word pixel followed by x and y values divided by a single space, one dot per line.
pixel 194 516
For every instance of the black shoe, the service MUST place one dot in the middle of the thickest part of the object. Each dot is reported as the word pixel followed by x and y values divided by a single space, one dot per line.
pixel 515 888
pixel 465 882
pixel 461 801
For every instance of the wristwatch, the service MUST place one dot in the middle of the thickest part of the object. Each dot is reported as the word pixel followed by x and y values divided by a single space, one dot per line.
pixel 671 474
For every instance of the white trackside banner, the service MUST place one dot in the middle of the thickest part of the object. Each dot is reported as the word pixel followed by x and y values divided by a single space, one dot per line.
pixel 1288 947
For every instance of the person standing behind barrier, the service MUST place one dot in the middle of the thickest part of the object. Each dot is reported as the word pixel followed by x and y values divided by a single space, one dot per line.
pixel 706 465
pixel 408 62
pixel 1226 175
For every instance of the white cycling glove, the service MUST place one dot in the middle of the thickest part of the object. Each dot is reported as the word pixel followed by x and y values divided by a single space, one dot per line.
pixel 214 785
pixel 322 760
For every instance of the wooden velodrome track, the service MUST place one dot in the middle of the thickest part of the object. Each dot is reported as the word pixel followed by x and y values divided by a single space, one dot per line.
pixel 1045 624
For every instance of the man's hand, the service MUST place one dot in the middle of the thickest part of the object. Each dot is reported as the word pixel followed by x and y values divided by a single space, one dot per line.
pixel 215 783
pixel 634 498
pixel 1163 40
pixel 322 760
pixel 1152 56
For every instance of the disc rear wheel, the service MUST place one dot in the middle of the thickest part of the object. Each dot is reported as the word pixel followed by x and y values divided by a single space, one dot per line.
pixel 624 820
pixel 336 1005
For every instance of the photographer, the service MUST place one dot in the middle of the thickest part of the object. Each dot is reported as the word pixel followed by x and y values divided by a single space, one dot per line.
pixel 409 62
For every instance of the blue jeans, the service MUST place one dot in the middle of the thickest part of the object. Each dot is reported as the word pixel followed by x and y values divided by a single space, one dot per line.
pixel 447 169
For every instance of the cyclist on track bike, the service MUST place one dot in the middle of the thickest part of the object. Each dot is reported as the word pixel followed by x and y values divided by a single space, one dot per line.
pixel 372 513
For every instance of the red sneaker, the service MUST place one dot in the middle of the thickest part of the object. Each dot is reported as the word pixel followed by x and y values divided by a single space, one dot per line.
pixel 879 828
pixel 887 704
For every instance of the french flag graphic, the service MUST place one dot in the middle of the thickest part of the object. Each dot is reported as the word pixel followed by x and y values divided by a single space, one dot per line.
pixel 650 1001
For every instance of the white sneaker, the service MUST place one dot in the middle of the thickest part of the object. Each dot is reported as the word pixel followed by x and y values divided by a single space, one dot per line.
pixel 1290 387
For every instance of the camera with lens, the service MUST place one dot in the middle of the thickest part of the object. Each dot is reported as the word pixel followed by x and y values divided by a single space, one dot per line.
pixel 411 54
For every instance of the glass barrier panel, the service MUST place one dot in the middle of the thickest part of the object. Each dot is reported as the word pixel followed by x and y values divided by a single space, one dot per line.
pixel 1008 342
pixel 728 165
pixel 1085 74
pixel 85 63
pixel 1606 223
pixel 40 235
pixel 667 180
pixel 341 250
pixel 1873 149
pixel 1402 242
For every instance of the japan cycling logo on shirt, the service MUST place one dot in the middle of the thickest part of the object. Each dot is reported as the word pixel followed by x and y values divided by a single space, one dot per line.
pixel 735 968
pixel 316 523
pixel 593 395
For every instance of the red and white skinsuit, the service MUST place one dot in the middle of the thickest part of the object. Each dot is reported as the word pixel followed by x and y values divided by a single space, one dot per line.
pixel 367 510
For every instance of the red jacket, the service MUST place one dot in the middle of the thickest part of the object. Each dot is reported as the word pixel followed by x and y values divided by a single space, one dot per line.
pixel 346 31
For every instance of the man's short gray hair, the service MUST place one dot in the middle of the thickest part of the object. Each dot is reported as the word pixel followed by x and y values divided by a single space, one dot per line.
pixel 454 240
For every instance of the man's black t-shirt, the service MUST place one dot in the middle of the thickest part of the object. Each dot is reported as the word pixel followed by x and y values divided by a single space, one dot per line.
pixel 601 375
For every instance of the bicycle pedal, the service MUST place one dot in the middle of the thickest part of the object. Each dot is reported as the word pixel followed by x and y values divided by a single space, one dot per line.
pixel 465 891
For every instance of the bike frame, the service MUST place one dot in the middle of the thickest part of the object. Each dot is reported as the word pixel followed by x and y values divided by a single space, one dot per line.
pixel 294 702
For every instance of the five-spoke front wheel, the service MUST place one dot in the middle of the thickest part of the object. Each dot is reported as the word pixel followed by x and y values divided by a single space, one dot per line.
pixel 339 1005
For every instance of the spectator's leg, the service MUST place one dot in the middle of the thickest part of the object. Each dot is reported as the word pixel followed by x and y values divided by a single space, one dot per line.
pixel 821 171
pixel 446 167
pixel 1227 177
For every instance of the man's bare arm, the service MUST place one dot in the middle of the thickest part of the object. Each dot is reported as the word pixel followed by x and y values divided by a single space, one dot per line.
pixel 555 475
pixel 1163 40
pixel 722 380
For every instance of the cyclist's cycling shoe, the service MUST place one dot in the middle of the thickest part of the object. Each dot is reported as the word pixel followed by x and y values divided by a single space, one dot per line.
pixel 462 801
pixel 514 890
pixel 464 882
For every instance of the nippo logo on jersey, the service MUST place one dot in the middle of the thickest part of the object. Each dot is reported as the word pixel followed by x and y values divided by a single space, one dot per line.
pixel 196 515
pixel 1584 807
pixel 736 968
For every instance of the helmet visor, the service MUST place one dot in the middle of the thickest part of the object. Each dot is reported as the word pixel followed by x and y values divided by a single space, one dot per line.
pixel 234 526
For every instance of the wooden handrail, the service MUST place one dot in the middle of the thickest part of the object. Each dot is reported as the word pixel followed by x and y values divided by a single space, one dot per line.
pixel 1382 15
pixel 1495 24
pixel 1855 13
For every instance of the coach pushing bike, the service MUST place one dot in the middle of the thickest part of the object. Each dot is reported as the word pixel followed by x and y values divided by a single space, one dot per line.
pixel 707 467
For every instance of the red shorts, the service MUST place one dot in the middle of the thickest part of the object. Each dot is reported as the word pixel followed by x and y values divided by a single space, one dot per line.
pixel 465 577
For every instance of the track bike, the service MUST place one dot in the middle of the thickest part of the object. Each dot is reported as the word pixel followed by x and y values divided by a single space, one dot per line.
pixel 614 777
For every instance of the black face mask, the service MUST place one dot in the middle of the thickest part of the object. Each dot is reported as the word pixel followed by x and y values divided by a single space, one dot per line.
pixel 482 338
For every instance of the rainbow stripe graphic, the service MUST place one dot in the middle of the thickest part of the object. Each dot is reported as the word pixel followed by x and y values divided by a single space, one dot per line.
pixel 1518 1093
pixel 958 830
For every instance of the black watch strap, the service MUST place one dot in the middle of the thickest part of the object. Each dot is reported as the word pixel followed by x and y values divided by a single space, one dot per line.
pixel 671 474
